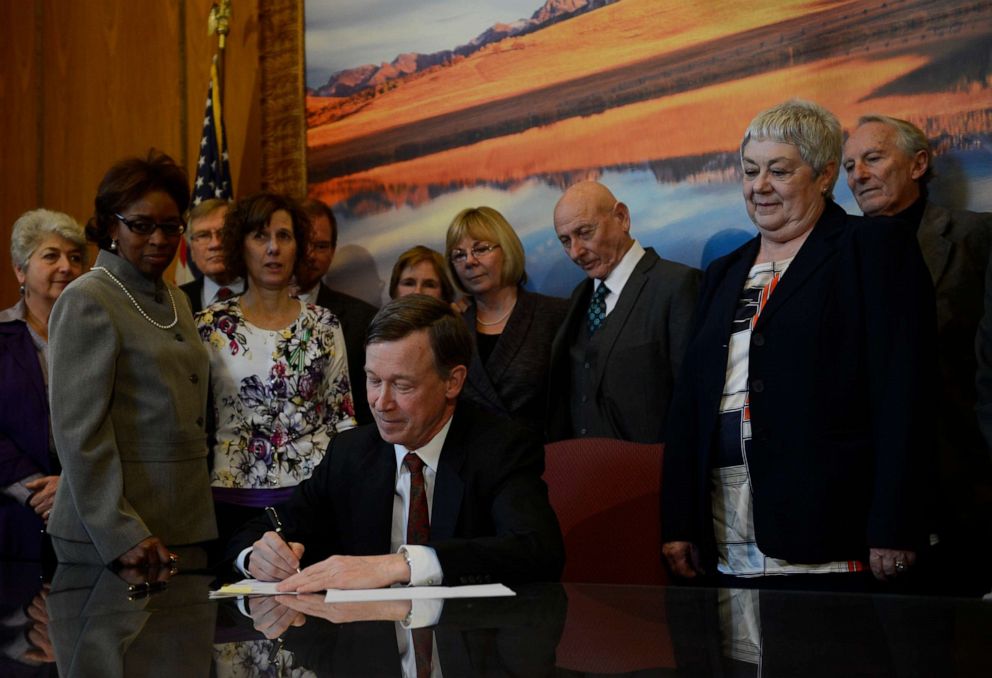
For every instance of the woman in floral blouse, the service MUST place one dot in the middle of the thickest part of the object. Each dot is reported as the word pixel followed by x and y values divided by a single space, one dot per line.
pixel 278 369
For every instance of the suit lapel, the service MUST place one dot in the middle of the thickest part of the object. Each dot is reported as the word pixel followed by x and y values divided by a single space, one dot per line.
pixel 449 488
pixel 934 244
pixel 25 357
pixel 512 339
pixel 374 500
pixel 621 313
pixel 813 254
pixel 478 375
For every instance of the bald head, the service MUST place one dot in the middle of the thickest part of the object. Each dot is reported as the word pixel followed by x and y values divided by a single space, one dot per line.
pixel 593 227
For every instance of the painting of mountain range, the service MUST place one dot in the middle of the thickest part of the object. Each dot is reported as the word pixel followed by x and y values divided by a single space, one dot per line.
pixel 417 110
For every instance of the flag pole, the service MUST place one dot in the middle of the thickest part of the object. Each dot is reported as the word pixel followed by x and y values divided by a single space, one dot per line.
pixel 219 23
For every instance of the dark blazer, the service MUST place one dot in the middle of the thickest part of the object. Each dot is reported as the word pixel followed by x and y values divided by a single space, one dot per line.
pixel 956 246
pixel 841 370
pixel 194 290
pixel 23 438
pixel 490 519
pixel 514 381
pixel 355 316
pixel 646 335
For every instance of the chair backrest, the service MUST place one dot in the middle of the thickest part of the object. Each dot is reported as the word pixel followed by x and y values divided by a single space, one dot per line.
pixel 606 495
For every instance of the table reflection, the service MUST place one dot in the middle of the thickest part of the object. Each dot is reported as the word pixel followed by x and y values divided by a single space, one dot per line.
pixel 97 622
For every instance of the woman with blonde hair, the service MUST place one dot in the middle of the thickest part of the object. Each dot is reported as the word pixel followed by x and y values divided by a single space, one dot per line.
pixel 513 327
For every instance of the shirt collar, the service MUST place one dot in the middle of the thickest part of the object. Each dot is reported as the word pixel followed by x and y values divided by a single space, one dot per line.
pixel 210 288
pixel 18 311
pixel 310 296
pixel 430 453
pixel 621 273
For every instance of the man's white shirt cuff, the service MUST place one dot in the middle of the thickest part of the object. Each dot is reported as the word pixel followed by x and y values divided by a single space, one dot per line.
pixel 425 568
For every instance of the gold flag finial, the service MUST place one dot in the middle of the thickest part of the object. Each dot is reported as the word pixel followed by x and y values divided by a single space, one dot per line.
pixel 219 21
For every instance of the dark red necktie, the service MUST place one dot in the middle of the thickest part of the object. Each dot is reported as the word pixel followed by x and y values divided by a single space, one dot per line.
pixel 418 524
pixel 418 532
pixel 224 293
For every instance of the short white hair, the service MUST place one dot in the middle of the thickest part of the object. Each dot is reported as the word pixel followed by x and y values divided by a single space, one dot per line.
pixel 808 126
pixel 34 226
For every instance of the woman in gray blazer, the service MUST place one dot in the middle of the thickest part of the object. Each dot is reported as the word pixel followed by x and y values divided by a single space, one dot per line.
pixel 128 383
pixel 513 327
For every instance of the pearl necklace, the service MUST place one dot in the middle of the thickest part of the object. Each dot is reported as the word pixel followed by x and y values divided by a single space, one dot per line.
pixel 495 322
pixel 134 301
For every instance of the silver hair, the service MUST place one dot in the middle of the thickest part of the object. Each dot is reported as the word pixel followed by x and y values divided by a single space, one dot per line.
pixel 34 226
pixel 909 138
pixel 204 209
pixel 811 128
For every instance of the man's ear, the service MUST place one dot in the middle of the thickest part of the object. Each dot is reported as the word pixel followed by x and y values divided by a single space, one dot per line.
pixel 622 212
pixel 455 381
pixel 921 161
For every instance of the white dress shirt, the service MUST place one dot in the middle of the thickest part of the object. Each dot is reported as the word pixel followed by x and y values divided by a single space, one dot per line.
pixel 310 296
pixel 210 289
pixel 425 568
pixel 620 274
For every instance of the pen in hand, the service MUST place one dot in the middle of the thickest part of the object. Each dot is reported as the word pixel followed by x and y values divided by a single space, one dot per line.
pixel 276 524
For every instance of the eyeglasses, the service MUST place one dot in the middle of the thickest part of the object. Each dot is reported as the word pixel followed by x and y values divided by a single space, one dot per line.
pixel 147 226
pixel 479 251
pixel 205 236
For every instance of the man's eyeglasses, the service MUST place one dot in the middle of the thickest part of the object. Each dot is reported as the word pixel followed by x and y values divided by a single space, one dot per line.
pixel 206 236
pixel 479 251
pixel 147 227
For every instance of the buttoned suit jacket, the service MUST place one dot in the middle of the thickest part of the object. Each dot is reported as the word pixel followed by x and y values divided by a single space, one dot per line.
pixel 128 404
pixel 355 316
pixel 514 380
pixel 194 291
pixel 841 376
pixel 490 516
pixel 956 246
pixel 645 337
pixel 23 438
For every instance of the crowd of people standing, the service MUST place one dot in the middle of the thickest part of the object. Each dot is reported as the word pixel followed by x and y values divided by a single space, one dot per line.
pixel 822 391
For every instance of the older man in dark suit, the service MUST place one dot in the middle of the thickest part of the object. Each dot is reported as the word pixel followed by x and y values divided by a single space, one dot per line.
pixel 615 358
pixel 354 314
pixel 203 235
pixel 888 163
pixel 436 492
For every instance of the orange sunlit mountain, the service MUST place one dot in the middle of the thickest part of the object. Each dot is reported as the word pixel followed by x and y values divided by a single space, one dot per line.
pixel 640 81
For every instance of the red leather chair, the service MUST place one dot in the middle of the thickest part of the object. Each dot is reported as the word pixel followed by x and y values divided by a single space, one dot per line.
pixel 606 495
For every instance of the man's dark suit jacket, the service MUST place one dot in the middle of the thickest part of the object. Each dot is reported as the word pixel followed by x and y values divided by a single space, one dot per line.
pixel 956 246
pixel 23 438
pixel 194 290
pixel 645 335
pixel 514 381
pixel 841 373
pixel 490 518
pixel 355 316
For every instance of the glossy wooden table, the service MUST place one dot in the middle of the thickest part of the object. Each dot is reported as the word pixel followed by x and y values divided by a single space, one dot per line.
pixel 87 622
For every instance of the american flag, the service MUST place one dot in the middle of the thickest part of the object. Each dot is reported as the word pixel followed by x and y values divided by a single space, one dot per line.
pixel 213 171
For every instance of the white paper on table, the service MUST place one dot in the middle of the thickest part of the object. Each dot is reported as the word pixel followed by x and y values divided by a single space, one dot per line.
pixel 417 593
pixel 250 587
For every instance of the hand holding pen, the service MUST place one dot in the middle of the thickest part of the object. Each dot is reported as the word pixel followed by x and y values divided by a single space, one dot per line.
pixel 272 557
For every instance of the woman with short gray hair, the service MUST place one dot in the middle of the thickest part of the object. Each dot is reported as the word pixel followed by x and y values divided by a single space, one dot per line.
pixel 48 250
pixel 800 428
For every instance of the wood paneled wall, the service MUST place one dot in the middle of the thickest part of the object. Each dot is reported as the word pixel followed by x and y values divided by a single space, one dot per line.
pixel 83 84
